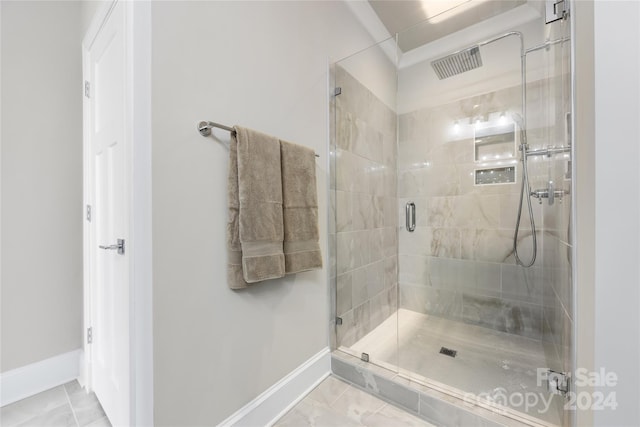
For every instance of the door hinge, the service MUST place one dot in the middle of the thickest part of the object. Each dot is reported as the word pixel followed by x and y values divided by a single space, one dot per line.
pixel 90 335
pixel 87 89
pixel 89 213
pixel 338 320
pixel 555 10
pixel 337 91
pixel 557 382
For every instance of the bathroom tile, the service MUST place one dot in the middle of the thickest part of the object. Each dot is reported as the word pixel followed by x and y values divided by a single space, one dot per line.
pixel 346 170
pixel 519 283
pixel 330 390
pixel 427 241
pixel 477 211
pixel 344 293
pixel 488 245
pixel 85 405
pixel 344 211
pixel 362 250
pixel 514 317
pixel 389 415
pixel 439 212
pixel 390 241
pixel 102 422
pixel 375 278
pixel 439 180
pixel 357 405
pixel 359 292
pixel 427 300
pixel 390 271
pixel 414 269
pixel 345 255
pixel 33 407
pixel 444 413
pixel 62 416
pixel 362 211
pixel 375 245
pixel 377 207
pixel 312 413
pixel 346 332
pixel 362 319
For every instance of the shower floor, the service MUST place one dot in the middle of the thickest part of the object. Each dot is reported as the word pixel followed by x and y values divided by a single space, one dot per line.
pixel 486 361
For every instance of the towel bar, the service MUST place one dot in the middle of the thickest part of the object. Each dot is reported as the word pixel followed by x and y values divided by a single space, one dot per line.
pixel 204 128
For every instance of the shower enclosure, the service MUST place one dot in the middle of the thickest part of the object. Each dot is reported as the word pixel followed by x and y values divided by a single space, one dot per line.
pixel 450 227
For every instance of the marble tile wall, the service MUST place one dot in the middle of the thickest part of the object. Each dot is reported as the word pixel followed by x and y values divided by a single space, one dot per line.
pixel 364 206
pixel 459 262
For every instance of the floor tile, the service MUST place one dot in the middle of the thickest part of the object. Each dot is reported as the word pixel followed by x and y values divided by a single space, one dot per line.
pixel 329 390
pixel 61 416
pixel 311 413
pixel 389 415
pixel 85 405
pixel 357 404
pixel 33 407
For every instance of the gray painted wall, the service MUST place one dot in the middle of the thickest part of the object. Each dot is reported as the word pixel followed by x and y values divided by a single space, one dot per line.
pixel 41 181
pixel 262 65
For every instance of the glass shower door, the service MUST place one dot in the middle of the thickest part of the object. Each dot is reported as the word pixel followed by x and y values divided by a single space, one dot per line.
pixel 364 156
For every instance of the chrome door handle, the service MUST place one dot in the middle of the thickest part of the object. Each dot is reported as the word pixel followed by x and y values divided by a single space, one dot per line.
pixel 410 216
pixel 117 247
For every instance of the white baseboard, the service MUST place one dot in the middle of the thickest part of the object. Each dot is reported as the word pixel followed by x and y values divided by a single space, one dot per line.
pixel 32 379
pixel 267 408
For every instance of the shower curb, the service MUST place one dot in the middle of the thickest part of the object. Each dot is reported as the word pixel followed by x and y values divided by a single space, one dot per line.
pixel 429 404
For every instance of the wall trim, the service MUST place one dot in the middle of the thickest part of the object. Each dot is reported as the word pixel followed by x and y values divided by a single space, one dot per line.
pixel 278 399
pixel 37 377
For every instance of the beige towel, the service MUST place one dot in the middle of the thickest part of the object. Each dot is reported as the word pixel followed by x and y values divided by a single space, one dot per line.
pixel 273 209
pixel 255 231
pixel 300 199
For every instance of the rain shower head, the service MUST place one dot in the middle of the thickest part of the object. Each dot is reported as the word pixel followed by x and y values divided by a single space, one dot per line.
pixel 458 62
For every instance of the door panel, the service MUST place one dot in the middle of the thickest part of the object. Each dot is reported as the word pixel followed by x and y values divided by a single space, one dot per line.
pixel 110 278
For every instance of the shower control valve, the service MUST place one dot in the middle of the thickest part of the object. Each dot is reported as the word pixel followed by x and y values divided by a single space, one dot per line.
pixel 549 193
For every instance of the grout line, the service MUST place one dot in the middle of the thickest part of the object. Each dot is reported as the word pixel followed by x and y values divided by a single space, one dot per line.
pixel 73 411
pixel 341 394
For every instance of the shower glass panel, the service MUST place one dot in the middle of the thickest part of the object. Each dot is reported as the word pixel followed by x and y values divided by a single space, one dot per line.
pixel 364 160
pixel 446 303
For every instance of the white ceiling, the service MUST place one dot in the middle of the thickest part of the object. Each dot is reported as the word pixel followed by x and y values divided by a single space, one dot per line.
pixel 408 18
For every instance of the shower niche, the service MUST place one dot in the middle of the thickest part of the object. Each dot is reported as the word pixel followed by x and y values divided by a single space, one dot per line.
pixel 494 142
pixel 401 133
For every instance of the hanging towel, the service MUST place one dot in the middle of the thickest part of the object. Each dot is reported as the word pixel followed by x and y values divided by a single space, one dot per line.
pixel 300 201
pixel 255 231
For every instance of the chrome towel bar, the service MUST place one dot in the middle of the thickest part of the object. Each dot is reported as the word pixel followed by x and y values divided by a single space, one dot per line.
pixel 204 128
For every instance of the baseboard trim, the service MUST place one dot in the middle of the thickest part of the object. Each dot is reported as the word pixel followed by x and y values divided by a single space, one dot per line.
pixel 32 379
pixel 267 408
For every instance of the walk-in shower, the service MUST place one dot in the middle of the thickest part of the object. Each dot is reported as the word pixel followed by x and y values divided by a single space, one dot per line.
pixel 446 271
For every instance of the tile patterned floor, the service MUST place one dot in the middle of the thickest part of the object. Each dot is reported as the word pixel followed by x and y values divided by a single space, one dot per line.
pixel 66 405
pixel 333 403
pixel 336 403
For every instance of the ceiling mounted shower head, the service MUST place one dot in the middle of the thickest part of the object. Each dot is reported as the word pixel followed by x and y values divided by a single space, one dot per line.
pixel 458 62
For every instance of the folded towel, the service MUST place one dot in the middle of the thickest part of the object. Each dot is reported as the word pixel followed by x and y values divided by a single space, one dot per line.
pixel 300 212
pixel 255 209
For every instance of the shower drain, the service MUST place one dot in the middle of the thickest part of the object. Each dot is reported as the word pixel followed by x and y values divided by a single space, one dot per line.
pixel 448 352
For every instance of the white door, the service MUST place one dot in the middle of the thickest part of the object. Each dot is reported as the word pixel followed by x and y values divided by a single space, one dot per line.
pixel 106 74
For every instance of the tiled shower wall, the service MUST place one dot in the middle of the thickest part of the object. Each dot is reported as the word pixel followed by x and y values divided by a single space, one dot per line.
pixel 365 209
pixel 459 261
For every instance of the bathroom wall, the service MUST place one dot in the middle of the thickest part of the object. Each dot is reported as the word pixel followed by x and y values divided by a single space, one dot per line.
pixel 365 201
pixel 263 65
pixel 459 261
pixel 41 181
